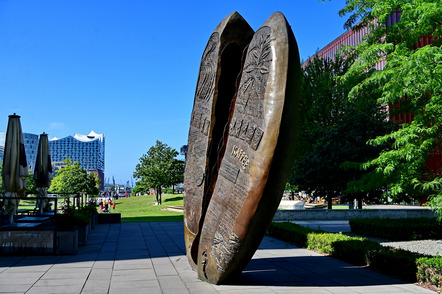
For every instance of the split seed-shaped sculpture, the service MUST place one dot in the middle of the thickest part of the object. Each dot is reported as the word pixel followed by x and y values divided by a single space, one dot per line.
pixel 219 70
pixel 255 154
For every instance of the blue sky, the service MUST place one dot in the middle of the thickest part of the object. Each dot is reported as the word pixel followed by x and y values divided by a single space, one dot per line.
pixel 127 69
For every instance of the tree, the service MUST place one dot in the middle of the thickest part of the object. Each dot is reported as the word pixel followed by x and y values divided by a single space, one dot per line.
pixel 177 173
pixel 73 179
pixel 93 183
pixel 31 188
pixel 158 168
pixel 332 129
pixel 140 187
pixel 411 79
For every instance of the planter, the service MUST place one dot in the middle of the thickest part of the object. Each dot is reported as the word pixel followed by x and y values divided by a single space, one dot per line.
pixel 83 233
pixel 93 220
pixel 109 218
pixel 66 242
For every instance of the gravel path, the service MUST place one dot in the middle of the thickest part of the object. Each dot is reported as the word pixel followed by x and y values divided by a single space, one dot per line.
pixel 427 247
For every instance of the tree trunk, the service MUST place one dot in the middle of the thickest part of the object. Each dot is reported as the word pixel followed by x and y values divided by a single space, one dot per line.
pixel 351 204
pixel 329 202
pixel 359 201
pixel 159 195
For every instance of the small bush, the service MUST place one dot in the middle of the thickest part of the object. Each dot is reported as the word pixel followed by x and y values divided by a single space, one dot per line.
pixel 355 251
pixel 398 229
pixel 429 270
pixel 394 262
pixel 70 217
pixel 291 233
pixel 325 242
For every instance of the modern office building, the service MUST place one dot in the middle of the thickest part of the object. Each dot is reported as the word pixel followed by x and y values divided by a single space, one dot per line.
pixel 31 147
pixel 86 149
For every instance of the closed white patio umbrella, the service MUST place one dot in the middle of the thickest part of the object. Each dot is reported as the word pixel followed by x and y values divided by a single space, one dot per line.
pixel 43 171
pixel 15 168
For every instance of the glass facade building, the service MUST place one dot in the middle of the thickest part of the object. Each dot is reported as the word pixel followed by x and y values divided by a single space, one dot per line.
pixel 86 149
pixel 31 147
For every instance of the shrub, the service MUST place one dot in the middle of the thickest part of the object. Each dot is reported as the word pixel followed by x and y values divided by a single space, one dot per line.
pixel 429 270
pixel 394 262
pixel 291 233
pixel 325 242
pixel 355 251
pixel 351 249
pixel 398 229
pixel 69 218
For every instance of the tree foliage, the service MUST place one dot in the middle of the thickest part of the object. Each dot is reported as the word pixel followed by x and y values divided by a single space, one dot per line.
pixel 73 179
pixel 159 168
pixel 411 79
pixel 31 188
pixel 332 129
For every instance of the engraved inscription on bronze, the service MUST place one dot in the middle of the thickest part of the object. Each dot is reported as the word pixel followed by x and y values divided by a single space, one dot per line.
pixel 258 153
pixel 229 171
pixel 224 249
pixel 220 66
pixel 241 155
pixel 247 131
pixel 206 81
pixel 255 74
pixel 256 139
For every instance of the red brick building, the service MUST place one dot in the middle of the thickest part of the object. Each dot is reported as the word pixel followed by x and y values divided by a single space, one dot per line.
pixel 352 38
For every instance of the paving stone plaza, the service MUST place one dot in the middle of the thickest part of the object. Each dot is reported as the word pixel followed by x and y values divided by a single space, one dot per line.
pixel 149 258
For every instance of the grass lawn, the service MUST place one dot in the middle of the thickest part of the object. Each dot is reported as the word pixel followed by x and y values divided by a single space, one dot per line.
pixel 143 208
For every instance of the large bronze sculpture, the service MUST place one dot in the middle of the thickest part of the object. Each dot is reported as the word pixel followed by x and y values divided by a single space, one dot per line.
pixel 219 69
pixel 249 170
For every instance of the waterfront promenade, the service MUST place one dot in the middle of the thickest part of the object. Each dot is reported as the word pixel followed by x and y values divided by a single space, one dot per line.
pixel 150 258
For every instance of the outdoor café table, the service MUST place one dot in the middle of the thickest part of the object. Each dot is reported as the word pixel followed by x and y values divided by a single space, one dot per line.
pixel 24 211
pixel 33 219
pixel 21 225
pixel 49 213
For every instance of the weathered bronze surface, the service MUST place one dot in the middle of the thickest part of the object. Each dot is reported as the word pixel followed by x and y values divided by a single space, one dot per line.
pixel 219 69
pixel 257 158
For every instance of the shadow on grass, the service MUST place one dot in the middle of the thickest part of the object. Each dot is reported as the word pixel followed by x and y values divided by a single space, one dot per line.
pixel 169 218
pixel 172 199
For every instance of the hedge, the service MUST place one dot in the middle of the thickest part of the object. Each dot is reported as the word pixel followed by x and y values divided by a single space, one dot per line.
pixel 398 229
pixel 355 250
pixel 429 270
pixel 291 233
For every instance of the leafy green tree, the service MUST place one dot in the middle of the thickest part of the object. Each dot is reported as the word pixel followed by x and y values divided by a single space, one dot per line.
pixel 412 79
pixel 31 188
pixel 323 100
pixel 93 183
pixel 73 179
pixel 332 129
pixel 158 168
pixel 292 188
pixel 140 187
pixel 177 173
pixel 322 170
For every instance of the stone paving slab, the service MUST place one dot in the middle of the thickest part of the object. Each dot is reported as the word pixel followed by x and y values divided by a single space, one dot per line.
pixel 133 258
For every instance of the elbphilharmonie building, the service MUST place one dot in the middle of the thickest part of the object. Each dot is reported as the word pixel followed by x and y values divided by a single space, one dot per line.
pixel 86 149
